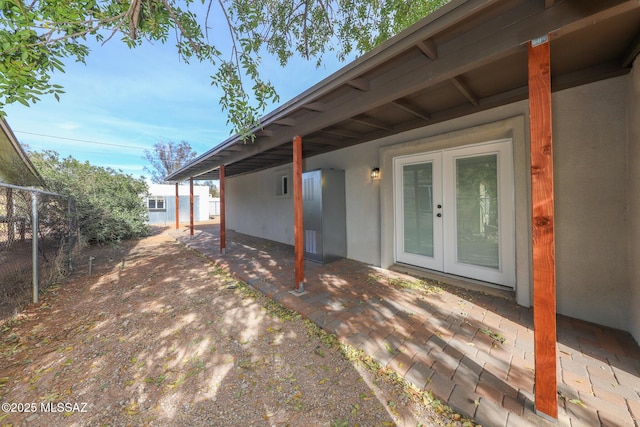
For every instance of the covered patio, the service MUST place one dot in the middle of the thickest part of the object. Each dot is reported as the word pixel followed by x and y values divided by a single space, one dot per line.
pixel 471 349
pixel 555 82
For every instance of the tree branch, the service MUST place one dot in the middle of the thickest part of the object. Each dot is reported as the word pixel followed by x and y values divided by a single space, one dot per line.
pixel 234 37
pixel 196 48
pixel 133 23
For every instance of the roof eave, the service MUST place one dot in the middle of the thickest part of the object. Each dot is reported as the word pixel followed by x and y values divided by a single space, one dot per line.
pixel 454 11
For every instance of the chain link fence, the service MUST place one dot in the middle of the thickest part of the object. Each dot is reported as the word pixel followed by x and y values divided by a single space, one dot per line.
pixel 39 238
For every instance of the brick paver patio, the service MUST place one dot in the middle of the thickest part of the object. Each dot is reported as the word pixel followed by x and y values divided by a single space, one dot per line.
pixel 473 350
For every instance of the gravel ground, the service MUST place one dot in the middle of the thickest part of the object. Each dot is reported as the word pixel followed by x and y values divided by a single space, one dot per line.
pixel 157 335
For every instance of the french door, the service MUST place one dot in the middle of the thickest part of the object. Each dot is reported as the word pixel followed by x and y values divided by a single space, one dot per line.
pixel 454 211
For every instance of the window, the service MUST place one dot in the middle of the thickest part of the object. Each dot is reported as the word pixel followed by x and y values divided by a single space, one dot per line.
pixel 282 184
pixel 155 203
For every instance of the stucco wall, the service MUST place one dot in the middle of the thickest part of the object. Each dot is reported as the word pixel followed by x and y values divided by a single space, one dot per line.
pixel 253 208
pixel 633 192
pixel 590 150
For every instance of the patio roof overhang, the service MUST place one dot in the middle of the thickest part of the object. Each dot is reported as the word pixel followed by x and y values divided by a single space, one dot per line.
pixel 466 57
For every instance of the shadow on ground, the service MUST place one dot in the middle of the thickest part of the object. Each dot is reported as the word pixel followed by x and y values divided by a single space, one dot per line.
pixel 157 335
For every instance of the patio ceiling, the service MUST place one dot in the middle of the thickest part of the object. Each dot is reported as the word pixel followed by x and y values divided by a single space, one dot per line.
pixel 466 57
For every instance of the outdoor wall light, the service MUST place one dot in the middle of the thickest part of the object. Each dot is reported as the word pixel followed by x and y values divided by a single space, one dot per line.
pixel 375 173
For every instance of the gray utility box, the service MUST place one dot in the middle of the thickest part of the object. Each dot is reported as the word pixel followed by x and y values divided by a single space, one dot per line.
pixel 325 224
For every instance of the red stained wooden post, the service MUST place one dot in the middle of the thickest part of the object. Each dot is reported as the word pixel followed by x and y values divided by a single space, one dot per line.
pixel 544 277
pixel 298 230
pixel 223 224
pixel 177 208
pixel 191 206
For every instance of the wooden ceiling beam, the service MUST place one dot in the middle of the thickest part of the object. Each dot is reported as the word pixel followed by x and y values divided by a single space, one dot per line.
pixel 429 48
pixel 315 106
pixel 465 90
pixel 605 70
pixel 272 157
pixel 368 121
pixel 325 141
pixel 285 121
pixel 248 162
pixel 342 132
pixel 314 146
pixel 361 84
pixel 412 109
pixel 283 150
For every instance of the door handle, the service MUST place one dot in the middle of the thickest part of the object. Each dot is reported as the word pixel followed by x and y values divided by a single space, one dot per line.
pixel 439 215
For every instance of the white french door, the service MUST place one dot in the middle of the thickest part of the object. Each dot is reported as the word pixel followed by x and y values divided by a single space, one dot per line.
pixel 454 211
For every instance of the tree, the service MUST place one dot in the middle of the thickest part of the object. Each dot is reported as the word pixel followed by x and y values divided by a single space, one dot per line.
pixel 213 188
pixel 111 204
pixel 36 36
pixel 166 158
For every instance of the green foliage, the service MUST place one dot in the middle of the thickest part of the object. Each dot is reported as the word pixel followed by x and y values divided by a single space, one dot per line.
pixel 37 36
pixel 110 204
pixel 166 158
pixel 368 23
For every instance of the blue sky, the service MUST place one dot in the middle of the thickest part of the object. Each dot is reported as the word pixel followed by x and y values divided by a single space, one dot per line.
pixel 125 100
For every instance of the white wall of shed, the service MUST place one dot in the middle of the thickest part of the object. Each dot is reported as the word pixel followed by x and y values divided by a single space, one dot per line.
pixel 169 190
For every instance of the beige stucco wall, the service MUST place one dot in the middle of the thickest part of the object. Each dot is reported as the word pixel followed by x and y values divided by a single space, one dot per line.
pixel 590 151
pixel 633 194
pixel 253 208
pixel 590 155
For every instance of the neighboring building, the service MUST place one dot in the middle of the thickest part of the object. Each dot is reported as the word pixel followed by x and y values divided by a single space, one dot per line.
pixel 16 173
pixel 214 207
pixel 443 111
pixel 161 203
pixel 15 166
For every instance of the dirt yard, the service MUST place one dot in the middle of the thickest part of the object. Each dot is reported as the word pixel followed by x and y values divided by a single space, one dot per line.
pixel 157 335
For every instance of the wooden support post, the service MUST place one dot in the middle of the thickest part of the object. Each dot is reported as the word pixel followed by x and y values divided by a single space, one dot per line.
pixel 191 206
pixel 298 230
pixel 223 222
pixel 544 280
pixel 177 208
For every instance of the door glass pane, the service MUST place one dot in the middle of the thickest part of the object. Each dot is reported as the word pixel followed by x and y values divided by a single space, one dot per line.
pixel 477 211
pixel 417 182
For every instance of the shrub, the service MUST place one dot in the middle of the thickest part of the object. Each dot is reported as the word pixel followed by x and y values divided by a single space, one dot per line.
pixel 110 203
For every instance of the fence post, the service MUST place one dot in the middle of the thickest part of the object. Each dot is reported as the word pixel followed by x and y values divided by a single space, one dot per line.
pixel 69 225
pixel 34 243
pixel 10 224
